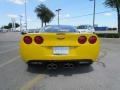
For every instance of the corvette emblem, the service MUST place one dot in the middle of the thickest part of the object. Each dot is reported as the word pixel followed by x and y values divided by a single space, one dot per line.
pixel 60 36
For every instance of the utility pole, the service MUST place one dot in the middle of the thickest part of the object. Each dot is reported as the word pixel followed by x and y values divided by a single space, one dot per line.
pixel 26 15
pixel 94 12
pixel 20 22
pixel 58 10
pixel 13 24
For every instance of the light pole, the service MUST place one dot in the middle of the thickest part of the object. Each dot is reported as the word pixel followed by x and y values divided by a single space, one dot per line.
pixel 13 24
pixel 94 12
pixel 58 10
pixel 26 14
pixel 20 22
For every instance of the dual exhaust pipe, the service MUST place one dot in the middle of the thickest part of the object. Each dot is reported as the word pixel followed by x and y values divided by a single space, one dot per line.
pixel 55 66
pixel 68 65
pixel 52 66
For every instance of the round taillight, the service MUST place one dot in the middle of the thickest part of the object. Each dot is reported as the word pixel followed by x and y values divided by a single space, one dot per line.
pixel 92 39
pixel 82 39
pixel 38 40
pixel 27 39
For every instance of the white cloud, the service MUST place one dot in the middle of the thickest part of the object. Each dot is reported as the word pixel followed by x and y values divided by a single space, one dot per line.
pixel 107 14
pixel 29 20
pixel 12 15
pixel 67 16
pixel 20 2
pixel 42 0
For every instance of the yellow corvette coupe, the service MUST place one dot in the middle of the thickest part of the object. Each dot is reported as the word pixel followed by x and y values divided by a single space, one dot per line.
pixel 59 44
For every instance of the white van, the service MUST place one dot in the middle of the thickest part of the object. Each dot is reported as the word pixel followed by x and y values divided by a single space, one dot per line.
pixel 86 29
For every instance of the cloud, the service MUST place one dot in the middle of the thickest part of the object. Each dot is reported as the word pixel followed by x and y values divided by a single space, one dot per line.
pixel 12 15
pixel 29 20
pixel 42 0
pixel 107 14
pixel 20 2
pixel 67 15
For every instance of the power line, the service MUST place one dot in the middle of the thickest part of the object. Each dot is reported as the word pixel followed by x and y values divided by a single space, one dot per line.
pixel 87 15
pixel 80 15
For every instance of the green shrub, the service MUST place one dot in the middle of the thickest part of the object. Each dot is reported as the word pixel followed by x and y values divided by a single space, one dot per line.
pixel 109 35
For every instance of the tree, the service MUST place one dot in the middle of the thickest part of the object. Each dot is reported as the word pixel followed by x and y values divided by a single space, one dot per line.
pixel 16 25
pixel 115 4
pixel 44 13
pixel 9 26
pixel 6 27
pixel 49 16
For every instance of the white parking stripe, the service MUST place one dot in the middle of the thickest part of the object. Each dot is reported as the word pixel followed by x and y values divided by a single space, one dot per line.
pixel 30 84
pixel 8 50
pixel 10 61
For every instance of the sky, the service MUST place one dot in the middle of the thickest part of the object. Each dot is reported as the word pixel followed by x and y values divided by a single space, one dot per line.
pixel 74 12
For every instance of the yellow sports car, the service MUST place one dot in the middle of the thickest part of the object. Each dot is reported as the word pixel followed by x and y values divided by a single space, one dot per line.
pixel 59 43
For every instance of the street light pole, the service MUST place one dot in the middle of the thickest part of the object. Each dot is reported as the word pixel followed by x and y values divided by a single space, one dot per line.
pixel 58 10
pixel 20 22
pixel 26 14
pixel 13 24
pixel 94 13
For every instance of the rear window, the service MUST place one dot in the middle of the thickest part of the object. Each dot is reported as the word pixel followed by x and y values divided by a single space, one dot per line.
pixel 57 28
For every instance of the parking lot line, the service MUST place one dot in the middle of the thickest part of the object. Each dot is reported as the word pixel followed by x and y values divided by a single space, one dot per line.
pixel 32 82
pixel 10 61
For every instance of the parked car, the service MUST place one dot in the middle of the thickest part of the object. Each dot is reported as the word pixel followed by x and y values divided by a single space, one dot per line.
pixel 4 30
pixel 1 30
pixel 86 29
pixel 59 44
pixel 33 31
pixel 23 32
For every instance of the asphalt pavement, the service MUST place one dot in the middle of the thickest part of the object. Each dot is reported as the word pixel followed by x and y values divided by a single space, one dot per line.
pixel 15 75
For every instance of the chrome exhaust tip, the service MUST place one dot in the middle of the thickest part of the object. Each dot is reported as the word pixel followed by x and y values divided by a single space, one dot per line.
pixel 52 66
pixel 68 65
pixel 71 66
pixel 49 67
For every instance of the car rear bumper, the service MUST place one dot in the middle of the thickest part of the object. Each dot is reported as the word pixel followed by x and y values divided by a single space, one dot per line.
pixel 60 61
pixel 60 58
pixel 28 55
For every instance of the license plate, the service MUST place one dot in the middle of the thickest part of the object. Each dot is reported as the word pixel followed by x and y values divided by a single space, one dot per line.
pixel 60 50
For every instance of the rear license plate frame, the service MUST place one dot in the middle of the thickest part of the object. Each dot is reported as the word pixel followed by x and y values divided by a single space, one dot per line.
pixel 60 50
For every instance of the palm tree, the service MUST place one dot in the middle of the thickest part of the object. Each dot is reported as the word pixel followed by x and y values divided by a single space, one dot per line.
pixel 44 13
pixel 116 5
pixel 49 16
